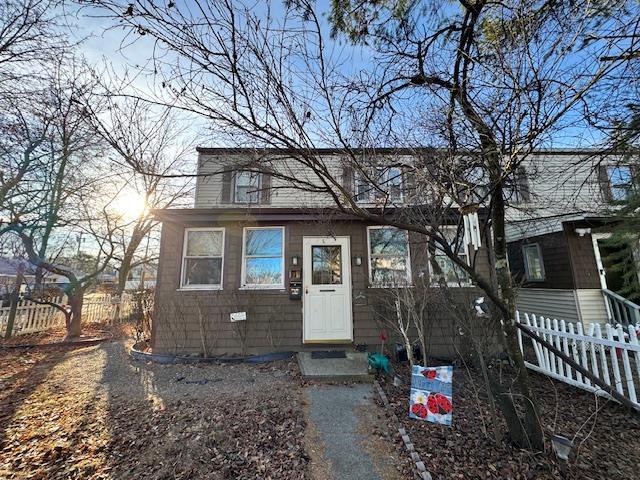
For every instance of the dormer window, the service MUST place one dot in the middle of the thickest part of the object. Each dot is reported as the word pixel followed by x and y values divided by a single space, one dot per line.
pixel 382 184
pixel 620 182
pixel 246 187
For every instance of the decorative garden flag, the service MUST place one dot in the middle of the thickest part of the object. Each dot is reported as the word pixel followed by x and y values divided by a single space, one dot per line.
pixel 431 394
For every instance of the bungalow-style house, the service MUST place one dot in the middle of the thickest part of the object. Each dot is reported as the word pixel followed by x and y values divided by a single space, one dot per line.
pixel 557 235
pixel 258 265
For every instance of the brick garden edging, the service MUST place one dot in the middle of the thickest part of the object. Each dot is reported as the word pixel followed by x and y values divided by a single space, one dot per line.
pixel 423 474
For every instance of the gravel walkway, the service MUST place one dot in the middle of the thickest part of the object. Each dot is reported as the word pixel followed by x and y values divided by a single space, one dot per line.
pixel 349 434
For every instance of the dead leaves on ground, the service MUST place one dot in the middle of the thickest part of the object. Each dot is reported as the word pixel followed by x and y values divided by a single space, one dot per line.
pixel 51 431
pixel 609 441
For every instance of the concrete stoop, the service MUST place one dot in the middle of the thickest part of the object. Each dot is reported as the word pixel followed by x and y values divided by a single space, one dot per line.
pixel 353 368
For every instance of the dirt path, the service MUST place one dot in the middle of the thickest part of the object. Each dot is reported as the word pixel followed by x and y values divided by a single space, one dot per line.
pixel 92 413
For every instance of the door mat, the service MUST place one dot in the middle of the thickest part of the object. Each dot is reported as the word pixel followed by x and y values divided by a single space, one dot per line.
pixel 328 354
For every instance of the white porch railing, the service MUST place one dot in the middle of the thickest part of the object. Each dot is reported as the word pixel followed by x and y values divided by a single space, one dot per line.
pixel 614 358
pixel 620 310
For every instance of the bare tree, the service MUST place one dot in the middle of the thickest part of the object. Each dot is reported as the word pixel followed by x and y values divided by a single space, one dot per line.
pixel 486 83
pixel 155 145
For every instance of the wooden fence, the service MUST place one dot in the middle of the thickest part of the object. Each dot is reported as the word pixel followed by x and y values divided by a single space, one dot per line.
pixel 32 317
pixel 612 355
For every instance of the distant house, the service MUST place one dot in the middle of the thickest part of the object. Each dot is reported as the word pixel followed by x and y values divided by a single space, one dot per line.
pixel 256 248
pixel 9 271
pixel 556 231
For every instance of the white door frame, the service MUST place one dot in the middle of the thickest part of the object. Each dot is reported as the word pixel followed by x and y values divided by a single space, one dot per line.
pixel 345 243
pixel 596 250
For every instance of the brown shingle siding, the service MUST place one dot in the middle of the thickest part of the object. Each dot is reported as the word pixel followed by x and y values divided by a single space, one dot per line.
pixel 274 322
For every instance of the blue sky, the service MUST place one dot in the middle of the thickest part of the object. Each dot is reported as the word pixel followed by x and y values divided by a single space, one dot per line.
pixel 100 45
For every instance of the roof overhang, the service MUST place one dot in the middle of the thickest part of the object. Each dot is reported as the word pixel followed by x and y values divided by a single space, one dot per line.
pixel 272 214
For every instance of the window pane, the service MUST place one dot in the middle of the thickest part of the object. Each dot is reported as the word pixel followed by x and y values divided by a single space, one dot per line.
pixel 451 236
pixel 263 271
pixel 394 182
pixel 247 187
pixel 389 270
pixel 327 265
pixel 534 263
pixel 204 243
pixel 388 241
pixel 264 242
pixel 452 273
pixel 620 182
pixel 202 271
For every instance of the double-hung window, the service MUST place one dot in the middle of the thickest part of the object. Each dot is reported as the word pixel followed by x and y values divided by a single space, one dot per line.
pixel 449 271
pixel 620 182
pixel 389 259
pixel 382 183
pixel 246 187
pixel 202 258
pixel 533 264
pixel 263 257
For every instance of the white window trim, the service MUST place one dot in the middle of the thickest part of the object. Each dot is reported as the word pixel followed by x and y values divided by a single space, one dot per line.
pixel 432 278
pixel 184 253
pixel 409 282
pixel 526 262
pixel 243 284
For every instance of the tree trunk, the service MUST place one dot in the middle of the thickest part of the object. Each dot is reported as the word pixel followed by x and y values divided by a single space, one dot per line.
pixel 532 426
pixel 74 319
pixel 38 282
pixel 123 272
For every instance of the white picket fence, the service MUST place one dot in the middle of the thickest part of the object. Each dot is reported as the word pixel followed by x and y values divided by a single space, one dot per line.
pixel 32 317
pixel 614 358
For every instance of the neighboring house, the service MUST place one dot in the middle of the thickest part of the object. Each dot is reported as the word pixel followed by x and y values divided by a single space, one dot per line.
pixel 556 229
pixel 9 272
pixel 303 278
pixel 141 274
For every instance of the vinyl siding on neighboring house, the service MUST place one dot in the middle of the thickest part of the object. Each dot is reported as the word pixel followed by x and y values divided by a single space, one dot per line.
pixel 552 303
pixel 592 306
pixel 563 186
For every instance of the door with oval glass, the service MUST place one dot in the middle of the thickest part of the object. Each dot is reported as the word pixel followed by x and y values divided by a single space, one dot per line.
pixel 327 290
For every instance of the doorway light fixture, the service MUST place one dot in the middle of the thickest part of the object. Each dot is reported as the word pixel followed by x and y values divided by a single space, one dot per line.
pixel 295 260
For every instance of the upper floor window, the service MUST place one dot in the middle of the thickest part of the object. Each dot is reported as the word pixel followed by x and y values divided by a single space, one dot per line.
pixel 620 182
pixel 533 264
pixel 202 258
pixel 246 188
pixel 389 260
pixel 263 257
pixel 381 183
pixel 443 268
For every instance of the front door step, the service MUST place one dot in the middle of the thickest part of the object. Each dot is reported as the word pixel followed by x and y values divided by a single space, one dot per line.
pixel 352 368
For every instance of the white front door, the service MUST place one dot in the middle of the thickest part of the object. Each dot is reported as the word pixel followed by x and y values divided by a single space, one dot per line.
pixel 326 290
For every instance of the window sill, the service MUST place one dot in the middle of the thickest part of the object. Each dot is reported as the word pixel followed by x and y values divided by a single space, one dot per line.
pixel 453 285
pixel 200 288
pixel 262 287
pixel 404 285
